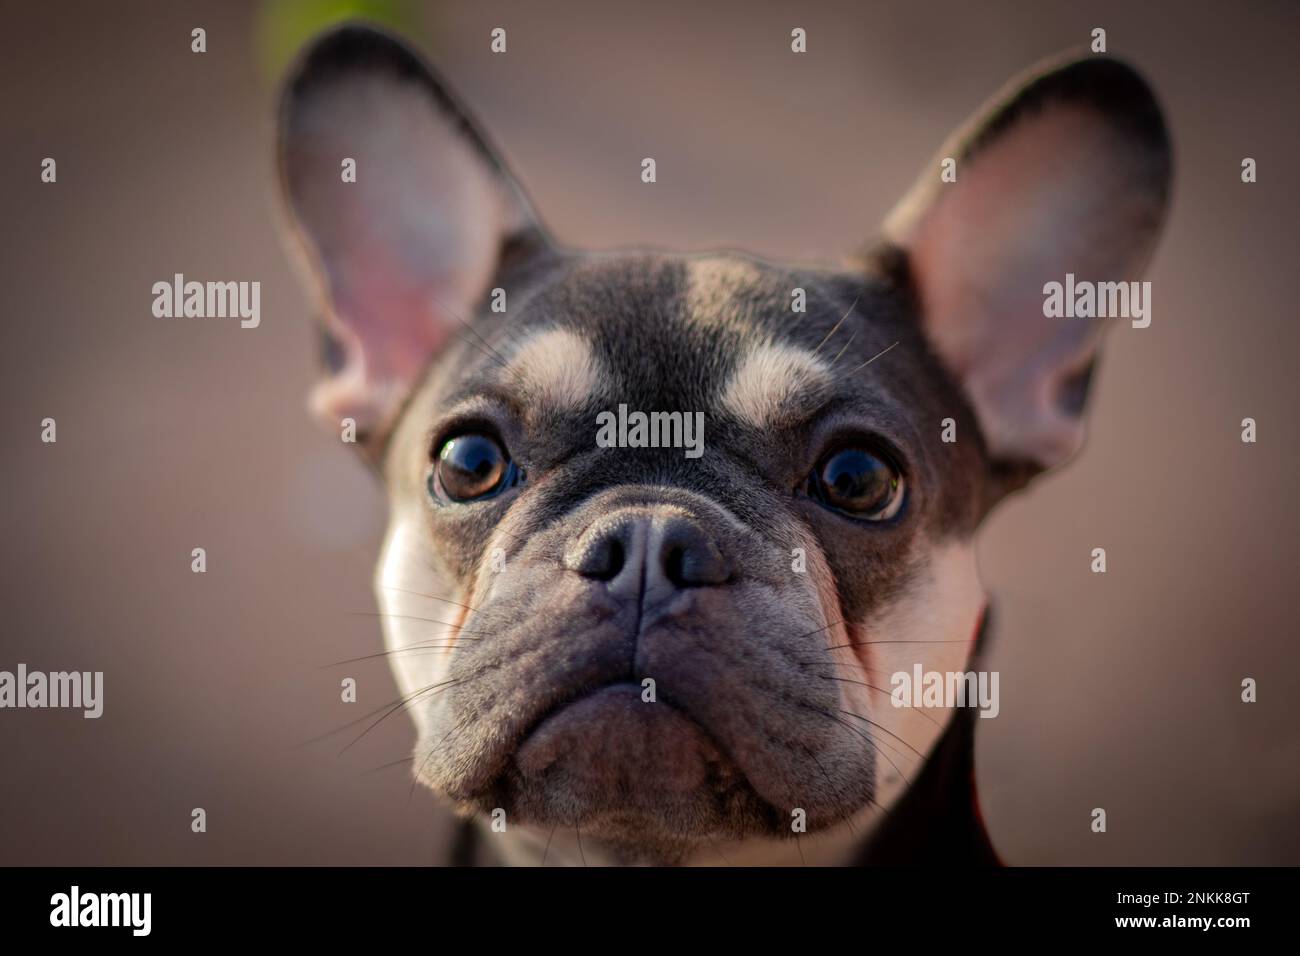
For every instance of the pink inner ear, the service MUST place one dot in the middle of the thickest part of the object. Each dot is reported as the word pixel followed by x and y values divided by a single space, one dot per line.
pixel 1053 194
pixel 405 251
pixel 389 329
pixel 1023 212
pixel 398 323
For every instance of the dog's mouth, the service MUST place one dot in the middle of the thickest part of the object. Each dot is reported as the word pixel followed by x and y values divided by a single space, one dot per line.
pixel 708 720
pixel 619 762
pixel 619 735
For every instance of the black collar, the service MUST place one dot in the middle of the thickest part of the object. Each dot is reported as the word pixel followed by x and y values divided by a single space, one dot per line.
pixel 938 821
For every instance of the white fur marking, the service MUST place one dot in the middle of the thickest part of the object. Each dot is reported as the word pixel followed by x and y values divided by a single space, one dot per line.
pixel 770 377
pixel 556 368
pixel 712 284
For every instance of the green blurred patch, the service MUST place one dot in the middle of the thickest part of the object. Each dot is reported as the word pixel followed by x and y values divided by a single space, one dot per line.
pixel 283 26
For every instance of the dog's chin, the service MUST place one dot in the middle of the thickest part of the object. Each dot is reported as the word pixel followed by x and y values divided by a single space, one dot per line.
pixel 639 776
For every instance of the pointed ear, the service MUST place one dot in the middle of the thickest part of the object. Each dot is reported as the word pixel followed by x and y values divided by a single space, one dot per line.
pixel 403 254
pixel 1066 171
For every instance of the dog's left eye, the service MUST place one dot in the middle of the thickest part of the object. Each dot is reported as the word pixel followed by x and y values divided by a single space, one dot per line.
pixel 860 483
pixel 472 467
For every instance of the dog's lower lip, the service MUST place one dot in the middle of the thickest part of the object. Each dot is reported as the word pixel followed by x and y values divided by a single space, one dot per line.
pixel 576 698
pixel 611 731
pixel 627 770
pixel 556 709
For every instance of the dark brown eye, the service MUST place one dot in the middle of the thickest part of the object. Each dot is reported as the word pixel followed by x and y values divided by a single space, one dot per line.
pixel 860 483
pixel 471 467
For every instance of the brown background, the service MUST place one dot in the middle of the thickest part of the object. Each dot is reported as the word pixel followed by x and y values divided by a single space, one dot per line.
pixel 1118 691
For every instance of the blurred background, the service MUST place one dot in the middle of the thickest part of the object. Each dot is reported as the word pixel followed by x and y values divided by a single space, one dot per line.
pixel 1119 691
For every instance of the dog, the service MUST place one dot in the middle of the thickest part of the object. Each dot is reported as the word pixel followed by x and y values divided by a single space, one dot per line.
pixel 615 650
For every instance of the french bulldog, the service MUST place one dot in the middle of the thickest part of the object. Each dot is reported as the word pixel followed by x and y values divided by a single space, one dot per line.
pixel 671 648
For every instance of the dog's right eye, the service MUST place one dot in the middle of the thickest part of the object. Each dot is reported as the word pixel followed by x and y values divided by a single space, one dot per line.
pixel 472 467
pixel 860 482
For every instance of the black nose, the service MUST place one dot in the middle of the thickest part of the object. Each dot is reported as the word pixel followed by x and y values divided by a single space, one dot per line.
pixel 666 551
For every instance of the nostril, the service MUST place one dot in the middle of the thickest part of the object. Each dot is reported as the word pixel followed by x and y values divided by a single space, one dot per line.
pixel 601 559
pixel 690 559
pixel 674 567
pixel 615 558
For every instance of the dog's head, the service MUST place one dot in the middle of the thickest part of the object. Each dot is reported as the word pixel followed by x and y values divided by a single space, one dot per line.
pixel 666 645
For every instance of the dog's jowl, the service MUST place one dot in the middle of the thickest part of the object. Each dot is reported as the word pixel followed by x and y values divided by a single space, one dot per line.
pixel 629 666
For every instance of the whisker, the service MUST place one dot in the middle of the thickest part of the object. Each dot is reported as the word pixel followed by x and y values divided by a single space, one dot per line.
pixel 838 792
pixel 350 723
pixel 415 777
pixel 877 745
pixel 401 705
pixel 488 351
pixel 872 359
pixel 849 680
pixel 435 597
pixel 819 630
pixel 844 348
pixel 395 650
pixel 386 766
pixel 470 328
pixel 837 647
pixel 884 730
pixel 459 630
pixel 836 326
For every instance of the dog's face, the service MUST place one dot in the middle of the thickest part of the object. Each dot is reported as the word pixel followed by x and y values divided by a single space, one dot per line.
pixel 663 646
pixel 590 569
